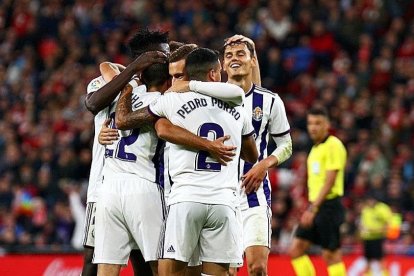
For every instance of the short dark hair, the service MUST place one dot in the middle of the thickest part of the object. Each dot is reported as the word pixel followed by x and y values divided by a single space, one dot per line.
pixel 182 52
pixel 249 46
pixel 319 110
pixel 199 62
pixel 156 74
pixel 174 45
pixel 141 41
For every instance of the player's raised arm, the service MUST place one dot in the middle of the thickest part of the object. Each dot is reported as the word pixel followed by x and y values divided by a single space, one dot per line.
pixel 100 99
pixel 180 136
pixel 109 70
pixel 226 92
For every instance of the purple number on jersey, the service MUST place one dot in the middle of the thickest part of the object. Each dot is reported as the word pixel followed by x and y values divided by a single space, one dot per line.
pixel 121 154
pixel 201 158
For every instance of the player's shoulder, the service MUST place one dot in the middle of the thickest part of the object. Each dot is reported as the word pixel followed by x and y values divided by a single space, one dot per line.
pixel 265 92
pixel 95 84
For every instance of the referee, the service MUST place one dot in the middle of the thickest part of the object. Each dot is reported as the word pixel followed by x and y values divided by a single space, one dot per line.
pixel 320 223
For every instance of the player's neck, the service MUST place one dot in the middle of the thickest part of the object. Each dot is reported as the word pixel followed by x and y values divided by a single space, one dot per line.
pixel 245 82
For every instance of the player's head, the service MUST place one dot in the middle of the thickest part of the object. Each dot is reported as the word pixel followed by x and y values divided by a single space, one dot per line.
pixel 177 61
pixel 145 40
pixel 318 123
pixel 203 64
pixel 156 77
pixel 238 59
pixel 174 45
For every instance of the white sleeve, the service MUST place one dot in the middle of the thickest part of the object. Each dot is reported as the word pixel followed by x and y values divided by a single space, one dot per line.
pixel 226 92
pixel 159 107
pixel 279 124
pixel 248 128
pixel 78 213
pixel 95 84
pixel 283 147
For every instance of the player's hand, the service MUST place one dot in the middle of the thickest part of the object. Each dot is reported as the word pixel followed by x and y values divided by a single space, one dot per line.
pixel 107 135
pixel 179 86
pixel 307 218
pixel 239 38
pixel 148 58
pixel 219 151
pixel 252 180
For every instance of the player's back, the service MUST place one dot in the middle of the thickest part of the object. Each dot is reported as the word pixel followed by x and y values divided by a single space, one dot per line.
pixel 196 176
pixel 135 151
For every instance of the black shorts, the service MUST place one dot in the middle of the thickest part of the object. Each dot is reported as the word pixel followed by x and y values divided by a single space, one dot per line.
pixel 373 249
pixel 325 228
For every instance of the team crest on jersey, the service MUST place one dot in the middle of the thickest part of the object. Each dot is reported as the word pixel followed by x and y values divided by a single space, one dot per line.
pixel 257 113
pixel 95 85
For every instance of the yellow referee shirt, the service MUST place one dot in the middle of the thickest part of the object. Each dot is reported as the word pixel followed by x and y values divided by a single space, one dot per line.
pixel 326 156
pixel 374 221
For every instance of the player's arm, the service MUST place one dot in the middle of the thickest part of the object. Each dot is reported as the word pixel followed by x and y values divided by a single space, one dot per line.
pixel 95 102
pixel 256 78
pixel 125 118
pixel 226 92
pixel 248 151
pixel 109 70
pixel 254 177
pixel 180 136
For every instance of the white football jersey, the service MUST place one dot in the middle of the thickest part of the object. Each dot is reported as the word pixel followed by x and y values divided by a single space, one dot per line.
pixel 268 117
pixel 136 151
pixel 194 175
pixel 95 176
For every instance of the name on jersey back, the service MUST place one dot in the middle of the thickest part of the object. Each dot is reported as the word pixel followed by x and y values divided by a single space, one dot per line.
pixel 194 104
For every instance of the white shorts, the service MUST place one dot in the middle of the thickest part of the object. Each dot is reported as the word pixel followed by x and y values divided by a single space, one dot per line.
pixel 257 228
pixel 89 233
pixel 211 227
pixel 129 215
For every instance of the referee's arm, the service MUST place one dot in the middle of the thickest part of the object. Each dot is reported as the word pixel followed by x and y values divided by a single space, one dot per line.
pixel 309 215
pixel 326 188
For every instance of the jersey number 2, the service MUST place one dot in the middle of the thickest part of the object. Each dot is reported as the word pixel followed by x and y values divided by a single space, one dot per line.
pixel 120 152
pixel 201 163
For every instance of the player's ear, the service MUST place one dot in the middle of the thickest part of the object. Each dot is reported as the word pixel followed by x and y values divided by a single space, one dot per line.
pixel 211 75
pixel 254 61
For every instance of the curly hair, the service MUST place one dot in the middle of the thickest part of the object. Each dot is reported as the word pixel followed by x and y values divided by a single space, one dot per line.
pixel 144 39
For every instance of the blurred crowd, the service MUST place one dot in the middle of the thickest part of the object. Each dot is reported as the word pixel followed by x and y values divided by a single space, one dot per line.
pixel 356 57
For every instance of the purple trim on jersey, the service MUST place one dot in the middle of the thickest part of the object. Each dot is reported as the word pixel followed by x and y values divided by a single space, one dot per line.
pixel 152 113
pixel 263 147
pixel 170 179
pixel 249 134
pixel 250 91
pixel 158 161
pixel 252 199
pixel 281 134
pixel 266 190
pixel 263 144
